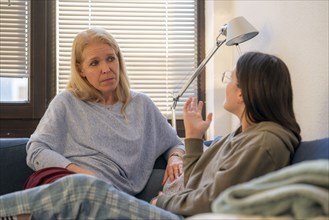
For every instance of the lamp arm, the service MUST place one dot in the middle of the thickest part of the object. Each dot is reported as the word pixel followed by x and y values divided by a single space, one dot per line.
pixel 236 31
pixel 196 73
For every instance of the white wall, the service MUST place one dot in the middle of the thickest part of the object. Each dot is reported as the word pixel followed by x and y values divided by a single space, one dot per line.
pixel 297 32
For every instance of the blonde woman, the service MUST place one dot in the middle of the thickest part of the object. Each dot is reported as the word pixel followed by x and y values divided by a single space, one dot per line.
pixel 99 126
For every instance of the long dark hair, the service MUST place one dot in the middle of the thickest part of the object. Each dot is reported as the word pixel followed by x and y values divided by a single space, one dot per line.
pixel 266 89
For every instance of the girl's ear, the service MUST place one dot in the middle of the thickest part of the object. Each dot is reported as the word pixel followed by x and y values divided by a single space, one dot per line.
pixel 240 97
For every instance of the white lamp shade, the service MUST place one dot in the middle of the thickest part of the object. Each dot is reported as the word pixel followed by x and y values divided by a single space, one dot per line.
pixel 239 30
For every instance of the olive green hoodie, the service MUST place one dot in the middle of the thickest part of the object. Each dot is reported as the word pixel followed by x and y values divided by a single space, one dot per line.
pixel 236 158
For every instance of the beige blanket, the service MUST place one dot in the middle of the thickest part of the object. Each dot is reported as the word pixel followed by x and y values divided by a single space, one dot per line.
pixel 300 191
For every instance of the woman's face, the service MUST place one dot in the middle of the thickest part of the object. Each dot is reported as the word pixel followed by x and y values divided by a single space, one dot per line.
pixel 100 66
pixel 233 100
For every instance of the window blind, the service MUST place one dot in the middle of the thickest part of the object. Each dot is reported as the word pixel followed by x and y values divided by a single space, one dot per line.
pixel 14 38
pixel 158 40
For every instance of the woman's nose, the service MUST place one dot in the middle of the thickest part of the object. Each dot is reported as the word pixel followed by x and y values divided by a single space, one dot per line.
pixel 105 68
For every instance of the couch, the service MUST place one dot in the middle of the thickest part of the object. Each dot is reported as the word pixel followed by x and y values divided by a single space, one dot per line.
pixel 14 171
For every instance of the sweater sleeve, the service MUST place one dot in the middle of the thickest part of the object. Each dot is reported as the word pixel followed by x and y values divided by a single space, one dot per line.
pixel 168 140
pixel 46 143
pixel 242 167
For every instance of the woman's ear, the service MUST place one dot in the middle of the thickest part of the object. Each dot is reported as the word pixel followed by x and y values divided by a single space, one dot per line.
pixel 79 69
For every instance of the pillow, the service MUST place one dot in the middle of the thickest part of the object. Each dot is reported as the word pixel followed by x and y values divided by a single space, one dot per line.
pixel 208 143
pixel 312 150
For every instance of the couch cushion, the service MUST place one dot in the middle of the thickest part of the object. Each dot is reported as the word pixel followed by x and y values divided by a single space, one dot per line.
pixel 153 186
pixel 312 150
pixel 13 168
pixel 210 142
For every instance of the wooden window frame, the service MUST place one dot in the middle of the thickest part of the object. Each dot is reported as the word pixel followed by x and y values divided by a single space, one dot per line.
pixel 21 119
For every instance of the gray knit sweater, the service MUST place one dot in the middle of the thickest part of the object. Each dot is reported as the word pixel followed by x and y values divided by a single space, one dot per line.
pixel 99 138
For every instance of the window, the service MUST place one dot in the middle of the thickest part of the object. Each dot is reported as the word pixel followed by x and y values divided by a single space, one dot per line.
pixel 158 40
pixel 20 115
pixel 26 65
pixel 15 51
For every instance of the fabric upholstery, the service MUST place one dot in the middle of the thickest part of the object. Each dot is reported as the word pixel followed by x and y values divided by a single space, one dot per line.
pixel 14 171
pixel 13 168
pixel 311 150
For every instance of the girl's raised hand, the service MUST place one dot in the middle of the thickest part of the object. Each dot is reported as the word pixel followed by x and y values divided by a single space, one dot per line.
pixel 195 126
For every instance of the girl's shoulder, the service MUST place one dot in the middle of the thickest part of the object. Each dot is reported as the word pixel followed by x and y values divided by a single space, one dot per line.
pixel 271 135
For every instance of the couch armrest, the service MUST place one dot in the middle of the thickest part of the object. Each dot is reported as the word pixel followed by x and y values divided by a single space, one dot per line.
pixel 13 169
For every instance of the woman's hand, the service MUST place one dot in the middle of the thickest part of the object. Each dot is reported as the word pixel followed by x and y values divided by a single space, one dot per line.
pixel 195 126
pixel 174 168
pixel 77 169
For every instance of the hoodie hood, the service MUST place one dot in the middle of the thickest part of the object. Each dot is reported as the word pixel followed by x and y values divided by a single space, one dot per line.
pixel 274 130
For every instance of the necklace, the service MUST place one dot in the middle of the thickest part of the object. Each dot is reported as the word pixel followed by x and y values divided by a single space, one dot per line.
pixel 109 107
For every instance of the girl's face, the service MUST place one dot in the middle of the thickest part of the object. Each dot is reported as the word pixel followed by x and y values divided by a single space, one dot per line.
pixel 233 100
pixel 100 66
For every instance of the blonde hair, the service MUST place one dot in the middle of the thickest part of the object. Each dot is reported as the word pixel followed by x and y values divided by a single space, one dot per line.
pixel 79 86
